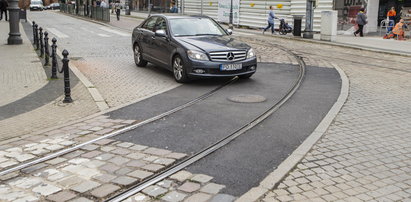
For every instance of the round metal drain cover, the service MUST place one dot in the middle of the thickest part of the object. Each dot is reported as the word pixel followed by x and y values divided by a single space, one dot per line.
pixel 245 98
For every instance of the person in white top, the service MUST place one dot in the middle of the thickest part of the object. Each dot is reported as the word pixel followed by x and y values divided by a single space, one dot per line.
pixel 103 4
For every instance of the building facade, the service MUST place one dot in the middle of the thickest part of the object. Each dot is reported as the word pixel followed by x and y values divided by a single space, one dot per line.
pixel 253 13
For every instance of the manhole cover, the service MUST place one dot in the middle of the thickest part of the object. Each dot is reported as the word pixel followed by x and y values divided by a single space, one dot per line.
pixel 244 98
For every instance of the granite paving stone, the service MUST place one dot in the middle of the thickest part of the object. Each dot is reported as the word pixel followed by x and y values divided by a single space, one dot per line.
pixel 140 174
pixel 61 196
pixel 189 187
pixel 174 196
pixel 85 186
pixel 154 191
pixel 124 180
pixel 201 178
pixel 181 176
pixel 199 197
pixel 104 190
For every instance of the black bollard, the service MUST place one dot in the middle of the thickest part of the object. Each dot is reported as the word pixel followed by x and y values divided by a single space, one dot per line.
pixel 37 36
pixel 53 59
pixel 46 49
pixel 41 42
pixel 34 33
pixel 67 91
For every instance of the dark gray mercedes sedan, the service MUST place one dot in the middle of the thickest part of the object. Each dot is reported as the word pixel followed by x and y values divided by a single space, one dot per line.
pixel 191 46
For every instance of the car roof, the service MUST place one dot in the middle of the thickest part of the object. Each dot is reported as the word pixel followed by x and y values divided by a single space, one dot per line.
pixel 177 16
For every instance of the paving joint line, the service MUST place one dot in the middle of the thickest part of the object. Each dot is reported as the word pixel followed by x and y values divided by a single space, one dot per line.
pixel 274 178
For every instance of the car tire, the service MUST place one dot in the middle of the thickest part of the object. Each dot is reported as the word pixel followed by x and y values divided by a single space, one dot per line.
pixel 138 57
pixel 245 76
pixel 179 71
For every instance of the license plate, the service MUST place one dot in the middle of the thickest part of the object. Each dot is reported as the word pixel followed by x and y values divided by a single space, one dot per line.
pixel 230 67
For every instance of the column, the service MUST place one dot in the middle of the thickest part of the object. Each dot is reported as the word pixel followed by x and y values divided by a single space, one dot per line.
pixel 372 15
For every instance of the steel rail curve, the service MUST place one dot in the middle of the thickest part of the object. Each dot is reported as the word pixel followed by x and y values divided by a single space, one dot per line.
pixel 118 132
pixel 219 144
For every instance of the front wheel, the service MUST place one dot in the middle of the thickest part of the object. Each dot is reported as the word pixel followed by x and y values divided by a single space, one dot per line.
pixel 179 71
pixel 138 58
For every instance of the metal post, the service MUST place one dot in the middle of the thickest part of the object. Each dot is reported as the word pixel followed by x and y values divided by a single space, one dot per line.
pixel 182 7
pixel 41 42
pixel 46 49
pixel 127 3
pixel 308 32
pixel 34 32
pixel 37 36
pixel 149 8
pixel 53 59
pixel 201 12
pixel 14 22
pixel 230 24
pixel 67 91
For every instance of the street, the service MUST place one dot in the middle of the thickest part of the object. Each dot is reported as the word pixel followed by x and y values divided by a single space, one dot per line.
pixel 152 123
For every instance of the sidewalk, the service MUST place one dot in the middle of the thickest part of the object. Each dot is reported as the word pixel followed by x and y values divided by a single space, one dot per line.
pixel 373 43
pixel 29 101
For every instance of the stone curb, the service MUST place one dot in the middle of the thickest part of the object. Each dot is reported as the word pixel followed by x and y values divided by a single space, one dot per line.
pixel 291 161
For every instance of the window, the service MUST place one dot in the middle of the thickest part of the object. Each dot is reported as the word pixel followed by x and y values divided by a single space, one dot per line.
pixel 161 25
pixel 149 24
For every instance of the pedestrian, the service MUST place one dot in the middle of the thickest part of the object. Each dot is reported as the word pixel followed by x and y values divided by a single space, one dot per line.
pixel 117 5
pixel 173 6
pixel 103 4
pixel 270 20
pixel 391 19
pixel 361 21
pixel 112 7
pixel 3 9
pixel 399 29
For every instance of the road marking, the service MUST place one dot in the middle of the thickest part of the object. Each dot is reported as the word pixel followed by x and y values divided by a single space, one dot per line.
pixel 57 33
pixel 103 35
pixel 114 31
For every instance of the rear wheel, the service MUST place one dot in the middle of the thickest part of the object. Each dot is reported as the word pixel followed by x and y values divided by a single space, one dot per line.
pixel 138 58
pixel 179 71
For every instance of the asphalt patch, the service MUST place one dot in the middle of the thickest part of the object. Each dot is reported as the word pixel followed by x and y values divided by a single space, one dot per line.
pixel 194 128
pixel 245 162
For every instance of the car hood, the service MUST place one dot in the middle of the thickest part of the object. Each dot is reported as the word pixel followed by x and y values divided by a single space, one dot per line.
pixel 213 43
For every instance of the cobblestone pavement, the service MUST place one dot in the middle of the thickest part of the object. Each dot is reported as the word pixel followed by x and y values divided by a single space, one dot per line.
pixel 365 154
pixel 18 78
pixel 108 63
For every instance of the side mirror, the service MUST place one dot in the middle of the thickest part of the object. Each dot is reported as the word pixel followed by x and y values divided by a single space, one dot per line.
pixel 160 33
pixel 229 31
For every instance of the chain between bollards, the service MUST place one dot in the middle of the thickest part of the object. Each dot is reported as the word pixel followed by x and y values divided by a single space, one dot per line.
pixel 53 59
pixel 46 48
pixel 41 42
pixel 34 32
pixel 65 69
pixel 37 36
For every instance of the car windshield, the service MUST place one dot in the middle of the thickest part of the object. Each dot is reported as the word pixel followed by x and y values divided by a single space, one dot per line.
pixel 36 3
pixel 195 27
